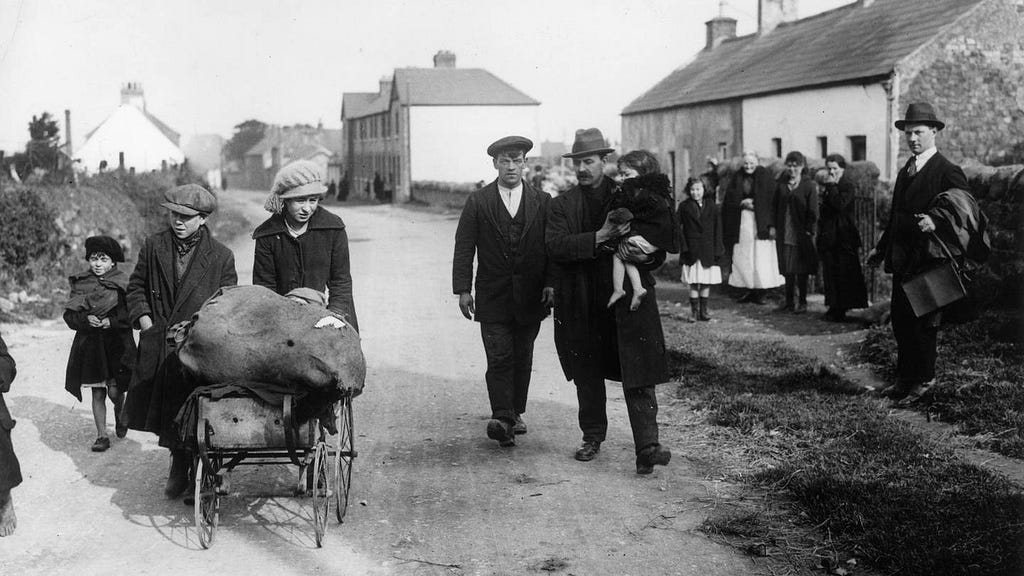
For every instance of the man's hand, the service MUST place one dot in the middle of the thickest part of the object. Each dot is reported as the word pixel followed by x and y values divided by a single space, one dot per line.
pixel 925 223
pixel 547 296
pixel 94 321
pixel 105 323
pixel 632 253
pixel 145 323
pixel 610 230
pixel 466 305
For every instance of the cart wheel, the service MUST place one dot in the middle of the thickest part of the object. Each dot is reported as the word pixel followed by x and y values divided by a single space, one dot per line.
pixel 343 454
pixel 207 503
pixel 321 492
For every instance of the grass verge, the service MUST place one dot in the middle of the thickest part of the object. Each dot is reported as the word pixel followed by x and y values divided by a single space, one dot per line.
pixel 826 476
pixel 979 383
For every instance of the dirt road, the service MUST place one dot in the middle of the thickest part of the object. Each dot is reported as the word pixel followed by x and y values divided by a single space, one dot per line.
pixel 430 495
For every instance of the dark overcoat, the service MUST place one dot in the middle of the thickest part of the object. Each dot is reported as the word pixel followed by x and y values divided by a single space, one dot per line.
pixel 583 285
pixel 10 470
pixel 838 243
pixel 701 233
pixel 802 203
pixel 158 388
pixel 108 352
pixel 509 286
pixel 762 191
pixel 318 259
pixel 902 243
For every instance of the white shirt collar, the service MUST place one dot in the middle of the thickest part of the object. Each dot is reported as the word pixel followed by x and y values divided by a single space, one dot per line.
pixel 511 197
pixel 923 157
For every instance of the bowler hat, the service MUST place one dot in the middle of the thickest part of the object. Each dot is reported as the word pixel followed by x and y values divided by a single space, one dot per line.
pixel 589 141
pixel 920 113
pixel 298 179
pixel 105 245
pixel 509 143
pixel 190 199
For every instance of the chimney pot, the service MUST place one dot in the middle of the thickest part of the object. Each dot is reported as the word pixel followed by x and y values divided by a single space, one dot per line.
pixel 444 59
pixel 719 30
pixel 771 13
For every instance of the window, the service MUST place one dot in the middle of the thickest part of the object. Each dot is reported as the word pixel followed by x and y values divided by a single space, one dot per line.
pixel 723 150
pixel 777 147
pixel 823 146
pixel 858 148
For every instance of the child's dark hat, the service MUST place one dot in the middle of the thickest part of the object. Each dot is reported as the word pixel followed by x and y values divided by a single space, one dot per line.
pixel 106 245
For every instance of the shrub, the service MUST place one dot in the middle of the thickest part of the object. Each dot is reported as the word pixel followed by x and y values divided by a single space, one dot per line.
pixel 28 227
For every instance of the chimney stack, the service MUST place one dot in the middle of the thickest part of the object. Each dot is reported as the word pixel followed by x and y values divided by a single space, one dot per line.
pixel 719 29
pixel 771 13
pixel 131 93
pixel 67 133
pixel 385 84
pixel 444 59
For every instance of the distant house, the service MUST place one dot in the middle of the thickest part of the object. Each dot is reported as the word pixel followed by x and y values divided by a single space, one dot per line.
pixel 146 142
pixel 203 154
pixel 836 81
pixel 283 144
pixel 430 124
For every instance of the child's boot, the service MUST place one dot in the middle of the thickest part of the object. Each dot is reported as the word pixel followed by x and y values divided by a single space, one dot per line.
pixel 703 312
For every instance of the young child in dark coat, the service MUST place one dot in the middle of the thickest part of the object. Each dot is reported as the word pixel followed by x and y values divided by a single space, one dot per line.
pixel 10 470
pixel 645 201
pixel 103 347
pixel 701 246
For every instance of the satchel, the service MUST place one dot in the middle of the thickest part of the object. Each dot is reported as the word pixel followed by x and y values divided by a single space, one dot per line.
pixel 935 288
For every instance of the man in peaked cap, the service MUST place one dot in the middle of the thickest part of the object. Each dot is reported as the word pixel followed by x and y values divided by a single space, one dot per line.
pixel 177 270
pixel 903 247
pixel 595 342
pixel 503 225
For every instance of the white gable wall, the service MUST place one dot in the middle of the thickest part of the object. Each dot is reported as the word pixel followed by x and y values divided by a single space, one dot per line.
pixel 449 143
pixel 799 118
pixel 128 130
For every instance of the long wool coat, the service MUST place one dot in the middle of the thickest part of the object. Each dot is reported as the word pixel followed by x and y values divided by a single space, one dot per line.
pixel 582 288
pixel 10 471
pixel 509 286
pixel 701 233
pixel 802 203
pixel 318 259
pixel 158 386
pixel 763 193
pixel 838 241
pixel 98 354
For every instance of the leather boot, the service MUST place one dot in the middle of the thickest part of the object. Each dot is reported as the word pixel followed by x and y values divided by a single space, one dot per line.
pixel 801 287
pixel 790 289
pixel 694 310
pixel 703 314
pixel 177 476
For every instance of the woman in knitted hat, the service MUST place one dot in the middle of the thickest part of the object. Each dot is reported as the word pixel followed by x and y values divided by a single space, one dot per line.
pixel 302 245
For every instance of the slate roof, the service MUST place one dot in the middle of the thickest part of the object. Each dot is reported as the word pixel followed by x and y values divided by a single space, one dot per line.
pixel 849 44
pixel 437 87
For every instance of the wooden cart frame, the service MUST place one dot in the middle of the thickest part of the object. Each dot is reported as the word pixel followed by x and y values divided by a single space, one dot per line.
pixel 236 431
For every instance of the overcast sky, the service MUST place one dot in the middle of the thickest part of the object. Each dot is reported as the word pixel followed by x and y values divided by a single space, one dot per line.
pixel 207 65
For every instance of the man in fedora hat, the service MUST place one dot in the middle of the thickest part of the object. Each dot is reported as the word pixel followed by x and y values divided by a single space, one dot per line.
pixel 177 270
pixel 595 342
pixel 904 247
pixel 503 225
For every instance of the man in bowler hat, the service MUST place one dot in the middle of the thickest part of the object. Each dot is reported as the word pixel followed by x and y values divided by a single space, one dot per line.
pixel 594 342
pixel 503 225
pixel 903 247
pixel 177 270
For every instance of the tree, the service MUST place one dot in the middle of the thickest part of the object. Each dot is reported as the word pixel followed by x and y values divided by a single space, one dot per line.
pixel 45 140
pixel 246 135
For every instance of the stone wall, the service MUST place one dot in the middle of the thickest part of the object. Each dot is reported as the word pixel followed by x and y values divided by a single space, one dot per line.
pixel 1000 193
pixel 974 75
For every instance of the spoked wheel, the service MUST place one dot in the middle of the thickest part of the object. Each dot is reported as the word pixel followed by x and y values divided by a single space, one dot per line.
pixel 344 452
pixel 320 488
pixel 207 502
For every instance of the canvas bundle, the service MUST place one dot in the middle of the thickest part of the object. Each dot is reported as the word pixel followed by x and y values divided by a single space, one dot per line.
pixel 251 333
pixel 936 287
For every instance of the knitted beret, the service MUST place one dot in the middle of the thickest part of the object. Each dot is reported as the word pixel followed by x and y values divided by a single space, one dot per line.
pixel 297 179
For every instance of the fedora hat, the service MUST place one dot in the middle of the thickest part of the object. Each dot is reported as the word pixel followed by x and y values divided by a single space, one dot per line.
pixel 589 141
pixel 920 113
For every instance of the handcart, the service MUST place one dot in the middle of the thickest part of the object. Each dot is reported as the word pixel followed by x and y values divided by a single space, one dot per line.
pixel 240 430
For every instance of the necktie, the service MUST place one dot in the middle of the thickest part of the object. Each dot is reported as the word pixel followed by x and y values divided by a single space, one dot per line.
pixel 912 166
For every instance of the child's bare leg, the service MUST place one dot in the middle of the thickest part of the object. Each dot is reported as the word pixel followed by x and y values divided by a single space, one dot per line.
pixel 8 521
pixel 638 288
pixel 99 411
pixel 618 277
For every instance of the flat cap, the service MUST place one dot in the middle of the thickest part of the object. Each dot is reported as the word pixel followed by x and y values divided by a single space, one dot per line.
pixel 509 143
pixel 190 199
pixel 105 245
pixel 298 179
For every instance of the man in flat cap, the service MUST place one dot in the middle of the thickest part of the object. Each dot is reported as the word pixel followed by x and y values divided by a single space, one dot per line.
pixel 177 270
pixel 503 224
pixel 595 342
pixel 904 247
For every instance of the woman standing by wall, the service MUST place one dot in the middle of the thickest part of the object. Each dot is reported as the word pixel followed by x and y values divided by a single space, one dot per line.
pixel 796 220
